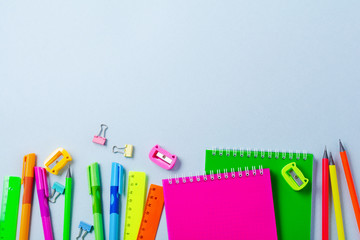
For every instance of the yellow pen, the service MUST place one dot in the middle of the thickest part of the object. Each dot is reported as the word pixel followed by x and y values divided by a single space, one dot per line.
pixel 336 198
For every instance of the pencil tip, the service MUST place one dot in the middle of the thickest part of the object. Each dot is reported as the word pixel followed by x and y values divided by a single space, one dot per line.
pixel 342 149
pixel 68 174
pixel 325 153
pixel 331 161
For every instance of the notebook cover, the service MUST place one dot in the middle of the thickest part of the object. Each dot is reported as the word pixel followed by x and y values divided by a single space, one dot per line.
pixel 292 209
pixel 226 208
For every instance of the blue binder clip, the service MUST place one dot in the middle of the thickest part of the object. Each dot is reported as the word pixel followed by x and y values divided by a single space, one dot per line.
pixel 56 188
pixel 84 227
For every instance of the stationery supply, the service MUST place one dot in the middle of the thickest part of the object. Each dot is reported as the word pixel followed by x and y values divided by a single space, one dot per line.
pixel 325 196
pixel 67 207
pixel 9 207
pixel 116 190
pixel 152 213
pixel 294 177
pixel 243 194
pixel 57 190
pixel 57 160
pixel 100 138
pixel 162 157
pixel 43 194
pixel 350 183
pixel 292 208
pixel 93 171
pixel 235 205
pixel 336 199
pixel 27 179
pixel 134 204
pixel 87 228
pixel 127 150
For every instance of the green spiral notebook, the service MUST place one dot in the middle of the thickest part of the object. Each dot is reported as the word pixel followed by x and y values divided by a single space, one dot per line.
pixel 292 208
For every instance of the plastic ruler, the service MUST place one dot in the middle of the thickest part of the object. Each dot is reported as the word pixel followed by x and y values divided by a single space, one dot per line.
pixel 152 213
pixel 134 204
pixel 10 208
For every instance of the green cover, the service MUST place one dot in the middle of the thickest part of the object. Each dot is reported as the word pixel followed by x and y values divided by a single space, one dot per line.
pixel 292 209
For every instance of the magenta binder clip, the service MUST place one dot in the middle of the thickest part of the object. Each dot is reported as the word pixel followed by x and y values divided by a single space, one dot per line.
pixel 162 157
pixel 100 138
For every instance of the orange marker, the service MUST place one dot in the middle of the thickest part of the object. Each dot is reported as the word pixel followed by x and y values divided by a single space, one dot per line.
pixel 350 183
pixel 28 180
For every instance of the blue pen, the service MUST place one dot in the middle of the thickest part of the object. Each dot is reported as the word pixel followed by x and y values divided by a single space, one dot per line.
pixel 116 189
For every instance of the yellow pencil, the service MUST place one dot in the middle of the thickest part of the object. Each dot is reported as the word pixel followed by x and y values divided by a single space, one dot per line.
pixel 336 198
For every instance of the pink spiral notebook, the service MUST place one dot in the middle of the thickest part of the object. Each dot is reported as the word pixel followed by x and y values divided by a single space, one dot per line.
pixel 235 205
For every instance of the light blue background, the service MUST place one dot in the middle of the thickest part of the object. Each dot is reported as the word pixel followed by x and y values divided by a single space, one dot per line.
pixel 187 75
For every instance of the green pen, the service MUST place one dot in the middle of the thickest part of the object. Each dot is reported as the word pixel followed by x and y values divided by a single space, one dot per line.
pixel 93 171
pixel 67 208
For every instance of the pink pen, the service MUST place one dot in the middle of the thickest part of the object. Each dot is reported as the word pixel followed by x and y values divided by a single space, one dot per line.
pixel 43 194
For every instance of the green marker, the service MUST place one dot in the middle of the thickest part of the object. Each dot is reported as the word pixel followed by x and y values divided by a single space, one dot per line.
pixel 95 191
pixel 67 209
pixel 10 208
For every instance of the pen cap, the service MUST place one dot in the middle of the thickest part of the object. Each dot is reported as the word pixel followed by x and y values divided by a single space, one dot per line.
pixel 93 172
pixel 29 162
pixel 41 180
pixel 117 176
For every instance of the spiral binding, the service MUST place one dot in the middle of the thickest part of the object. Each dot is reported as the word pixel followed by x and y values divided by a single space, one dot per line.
pixel 217 175
pixel 241 152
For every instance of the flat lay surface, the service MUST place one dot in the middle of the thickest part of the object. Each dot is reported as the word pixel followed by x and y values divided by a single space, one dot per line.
pixel 186 75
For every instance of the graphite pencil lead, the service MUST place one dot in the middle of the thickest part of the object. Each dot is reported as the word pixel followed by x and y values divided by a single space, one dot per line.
pixel 342 149
pixel 325 154
pixel 331 161
pixel 68 173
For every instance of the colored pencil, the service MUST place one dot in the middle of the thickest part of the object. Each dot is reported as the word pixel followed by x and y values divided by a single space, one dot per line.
pixel 67 208
pixel 350 183
pixel 325 196
pixel 336 199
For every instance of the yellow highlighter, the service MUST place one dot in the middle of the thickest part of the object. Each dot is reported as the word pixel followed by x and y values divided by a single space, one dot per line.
pixel 336 198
